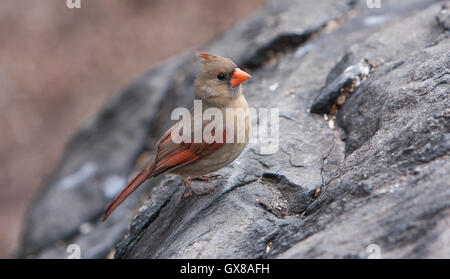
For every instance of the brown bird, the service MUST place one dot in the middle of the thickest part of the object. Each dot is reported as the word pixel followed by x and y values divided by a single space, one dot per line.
pixel 217 86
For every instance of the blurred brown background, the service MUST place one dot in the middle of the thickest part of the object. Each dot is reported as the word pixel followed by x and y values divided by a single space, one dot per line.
pixel 58 66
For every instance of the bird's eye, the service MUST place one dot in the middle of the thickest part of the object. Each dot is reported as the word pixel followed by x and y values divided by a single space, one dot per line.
pixel 221 76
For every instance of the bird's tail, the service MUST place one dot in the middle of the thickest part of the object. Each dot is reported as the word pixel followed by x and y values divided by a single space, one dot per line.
pixel 144 175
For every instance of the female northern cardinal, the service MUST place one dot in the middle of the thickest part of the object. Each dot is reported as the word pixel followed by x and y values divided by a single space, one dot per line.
pixel 217 86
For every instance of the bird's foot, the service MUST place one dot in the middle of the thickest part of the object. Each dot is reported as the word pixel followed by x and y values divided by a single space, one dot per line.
pixel 190 190
pixel 207 178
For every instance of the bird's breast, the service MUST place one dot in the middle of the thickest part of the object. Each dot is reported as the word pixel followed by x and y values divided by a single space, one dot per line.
pixel 238 135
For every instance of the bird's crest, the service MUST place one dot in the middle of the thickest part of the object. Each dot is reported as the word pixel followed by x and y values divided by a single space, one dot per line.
pixel 206 56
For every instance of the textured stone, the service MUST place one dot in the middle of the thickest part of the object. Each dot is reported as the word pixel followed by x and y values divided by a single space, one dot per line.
pixel 376 171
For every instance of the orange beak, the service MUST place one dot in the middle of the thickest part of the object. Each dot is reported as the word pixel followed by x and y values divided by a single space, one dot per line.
pixel 238 77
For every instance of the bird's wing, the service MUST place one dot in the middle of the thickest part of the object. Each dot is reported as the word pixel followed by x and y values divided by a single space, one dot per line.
pixel 167 156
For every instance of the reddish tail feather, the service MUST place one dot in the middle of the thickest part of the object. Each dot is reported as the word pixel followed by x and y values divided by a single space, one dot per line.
pixel 144 175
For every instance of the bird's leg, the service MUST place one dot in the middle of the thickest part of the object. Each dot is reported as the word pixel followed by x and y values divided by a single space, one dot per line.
pixel 188 186
pixel 207 178
pixel 192 190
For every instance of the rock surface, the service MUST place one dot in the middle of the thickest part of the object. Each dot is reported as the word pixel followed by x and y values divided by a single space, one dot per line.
pixel 373 170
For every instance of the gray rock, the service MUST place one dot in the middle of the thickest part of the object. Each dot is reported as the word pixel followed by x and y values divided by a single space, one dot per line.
pixel 443 18
pixel 374 175
pixel 336 91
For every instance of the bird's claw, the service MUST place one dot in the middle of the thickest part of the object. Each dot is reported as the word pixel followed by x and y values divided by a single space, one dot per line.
pixel 190 190
pixel 207 178
pixel 187 194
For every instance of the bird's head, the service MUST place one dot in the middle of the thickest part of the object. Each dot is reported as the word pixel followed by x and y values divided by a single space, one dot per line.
pixel 219 79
